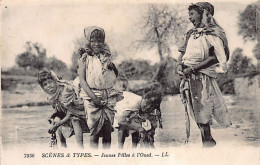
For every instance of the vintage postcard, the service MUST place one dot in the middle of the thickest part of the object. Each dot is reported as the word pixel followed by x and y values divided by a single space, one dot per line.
pixel 130 82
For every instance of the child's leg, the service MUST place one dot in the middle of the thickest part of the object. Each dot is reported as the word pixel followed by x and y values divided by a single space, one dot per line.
pixel 62 138
pixel 78 132
pixel 207 139
pixel 94 141
pixel 106 132
pixel 135 139
pixel 151 137
pixel 121 137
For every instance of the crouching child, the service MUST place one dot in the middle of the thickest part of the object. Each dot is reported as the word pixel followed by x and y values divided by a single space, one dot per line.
pixel 140 119
pixel 68 107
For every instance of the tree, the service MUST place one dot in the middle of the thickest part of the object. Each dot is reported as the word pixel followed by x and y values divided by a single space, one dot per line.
pixel 249 26
pixel 248 22
pixel 59 67
pixel 135 70
pixel 141 69
pixel 55 64
pixel 163 27
pixel 240 64
pixel 33 57
pixel 168 76
pixel 39 54
pixel 24 60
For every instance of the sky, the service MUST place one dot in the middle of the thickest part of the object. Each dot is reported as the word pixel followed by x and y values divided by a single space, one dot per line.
pixel 57 25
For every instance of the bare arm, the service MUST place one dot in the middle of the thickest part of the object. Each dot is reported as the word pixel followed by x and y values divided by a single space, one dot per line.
pixel 63 121
pixel 52 117
pixel 179 68
pixel 180 58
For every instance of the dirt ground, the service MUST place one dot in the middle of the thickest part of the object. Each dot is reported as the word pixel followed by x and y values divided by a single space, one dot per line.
pixel 244 114
pixel 24 130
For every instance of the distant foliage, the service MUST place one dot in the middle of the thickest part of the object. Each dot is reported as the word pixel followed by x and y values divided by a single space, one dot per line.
pixel 239 63
pixel 226 82
pixel 142 70
pixel 135 70
pixel 55 64
pixel 257 50
pixel 257 54
pixel 59 67
pixel 248 22
pixel 168 76
pixel 34 59
pixel 249 27
pixel 24 60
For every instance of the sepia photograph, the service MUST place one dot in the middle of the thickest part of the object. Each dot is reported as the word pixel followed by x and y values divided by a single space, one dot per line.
pixel 130 82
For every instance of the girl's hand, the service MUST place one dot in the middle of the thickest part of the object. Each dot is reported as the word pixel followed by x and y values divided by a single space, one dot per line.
pixel 141 129
pixel 187 71
pixel 180 70
pixel 179 67
pixel 52 129
pixel 81 51
pixel 97 102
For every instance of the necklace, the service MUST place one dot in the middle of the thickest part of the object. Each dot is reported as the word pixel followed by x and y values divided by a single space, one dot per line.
pixel 145 124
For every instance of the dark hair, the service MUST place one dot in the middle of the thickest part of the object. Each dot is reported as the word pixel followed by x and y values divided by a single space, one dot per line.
pixel 43 76
pixel 154 96
pixel 97 35
pixel 195 7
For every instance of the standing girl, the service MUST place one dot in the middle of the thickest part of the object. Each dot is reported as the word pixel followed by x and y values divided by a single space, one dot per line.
pixel 204 54
pixel 97 78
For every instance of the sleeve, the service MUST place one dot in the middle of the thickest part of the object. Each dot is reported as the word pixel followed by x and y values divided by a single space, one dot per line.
pixel 131 102
pixel 76 85
pixel 71 103
pixel 68 95
pixel 219 51
pixel 182 47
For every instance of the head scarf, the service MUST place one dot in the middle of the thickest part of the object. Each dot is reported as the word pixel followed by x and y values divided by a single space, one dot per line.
pixel 205 5
pixel 89 30
pixel 46 74
pixel 68 93
pixel 87 34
